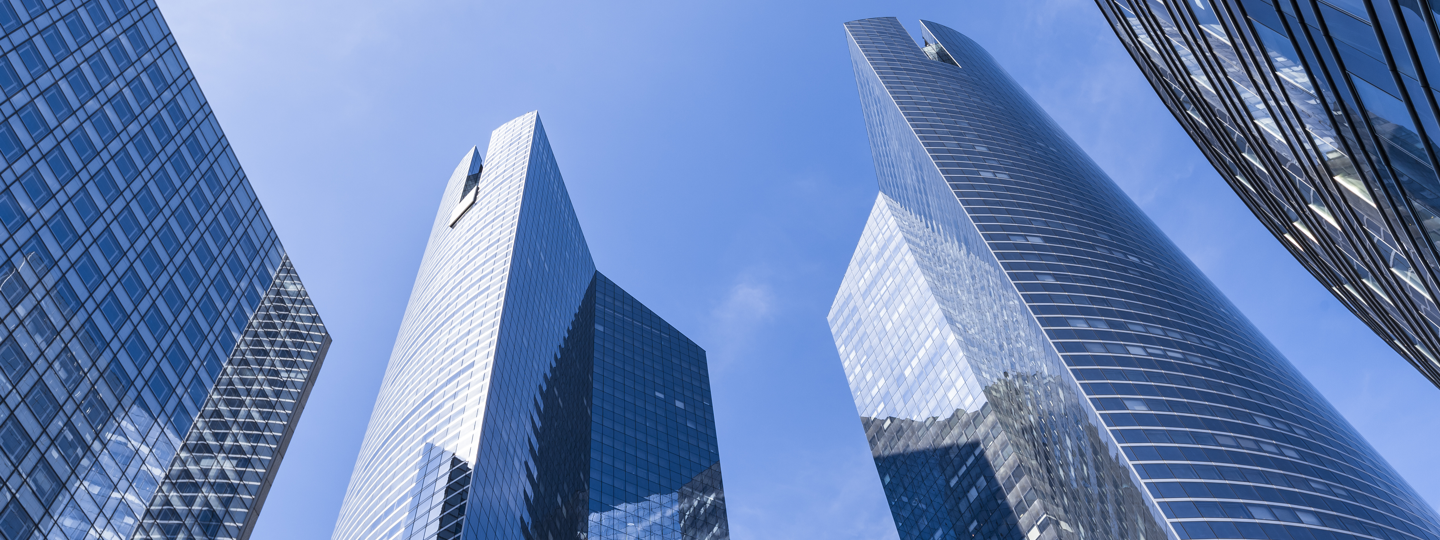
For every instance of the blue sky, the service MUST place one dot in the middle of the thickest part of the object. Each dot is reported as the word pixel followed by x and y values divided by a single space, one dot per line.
pixel 717 159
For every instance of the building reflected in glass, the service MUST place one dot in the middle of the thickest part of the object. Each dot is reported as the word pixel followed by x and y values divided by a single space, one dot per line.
pixel 1322 115
pixel 528 396
pixel 157 345
pixel 1032 358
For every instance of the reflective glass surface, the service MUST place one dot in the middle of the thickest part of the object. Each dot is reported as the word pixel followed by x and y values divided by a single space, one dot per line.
pixel 529 396
pixel 1227 438
pixel 135 258
pixel 1322 117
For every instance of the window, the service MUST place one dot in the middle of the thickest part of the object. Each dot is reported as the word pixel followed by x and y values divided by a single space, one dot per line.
pixel 66 300
pixel 140 93
pixel 10 146
pixel 77 28
pixel 100 70
pixel 9 81
pixel 37 255
pixel 138 350
pixel 80 142
pixel 161 180
pixel 218 234
pixel 10 213
pixel 109 247
pixel 42 404
pixel 181 166
pixel 203 254
pixel 13 360
pixel 120 7
pixel 60 164
pixel 118 54
pixel 88 272
pixel 183 219
pixel 34 122
pixel 188 275
pixel 121 107
pixel 127 167
pixel 97 15
pixel 157 77
pixel 55 41
pixel 63 231
pixel 80 86
pixel 143 147
pixel 94 409
pixel 168 240
pixel 36 187
pixel 160 387
pixel 106 184
pixel 155 322
pixel 133 285
pixel 14 440
pixel 102 126
pixel 152 262
pixel 173 297
pixel 85 207
pixel 200 201
pixel 147 203
pixel 30 56
pixel 128 224
pixel 8 19
pixel 59 104
pixel 161 130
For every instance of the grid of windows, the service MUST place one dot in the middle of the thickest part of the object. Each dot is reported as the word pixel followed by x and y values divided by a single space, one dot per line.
pixel 1210 415
pixel 134 254
pixel 1322 116
pixel 525 382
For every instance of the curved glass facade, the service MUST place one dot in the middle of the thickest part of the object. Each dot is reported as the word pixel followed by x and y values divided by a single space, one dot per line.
pixel 1322 116
pixel 157 345
pixel 985 206
pixel 528 396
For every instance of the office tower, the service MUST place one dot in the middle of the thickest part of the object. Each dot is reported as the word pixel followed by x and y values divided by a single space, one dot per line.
pixel 997 256
pixel 528 396
pixel 1322 117
pixel 157 345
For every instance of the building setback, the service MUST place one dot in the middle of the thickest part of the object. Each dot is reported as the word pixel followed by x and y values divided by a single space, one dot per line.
pixel 157 346
pixel 528 396
pixel 1322 117
pixel 1032 358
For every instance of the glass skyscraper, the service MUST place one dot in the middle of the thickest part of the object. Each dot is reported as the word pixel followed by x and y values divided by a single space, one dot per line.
pixel 1032 358
pixel 157 345
pixel 528 396
pixel 1322 115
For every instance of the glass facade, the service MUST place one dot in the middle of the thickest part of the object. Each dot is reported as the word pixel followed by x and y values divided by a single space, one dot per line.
pixel 157 345
pixel 1031 357
pixel 1322 116
pixel 528 396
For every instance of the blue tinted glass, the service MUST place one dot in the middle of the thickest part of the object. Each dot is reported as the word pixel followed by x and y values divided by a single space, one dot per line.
pixel 8 20
pixel 88 272
pixel 137 40
pixel 63 231
pixel 34 122
pixel 59 105
pixel 60 164
pixel 106 184
pixel 109 247
pixel 97 14
pixel 118 54
pixel 10 213
pixel 77 28
pixel 10 145
pixel 9 81
pixel 36 187
pixel 100 69
pixel 121 107
pixel 30 56
pixel 102 126
pixel 80 86
pixel 56 42
pixel 140 93
pixel 80 142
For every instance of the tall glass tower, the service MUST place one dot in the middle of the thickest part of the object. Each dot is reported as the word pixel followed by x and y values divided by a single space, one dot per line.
pixel 1322 115
pixel 157 345
pixel 528 396
pixel 1032 358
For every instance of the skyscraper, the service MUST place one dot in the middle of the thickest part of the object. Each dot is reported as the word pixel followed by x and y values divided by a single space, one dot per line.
pixel 528 396
pixel 157 345
pixel 1031 357
pixel 1322 116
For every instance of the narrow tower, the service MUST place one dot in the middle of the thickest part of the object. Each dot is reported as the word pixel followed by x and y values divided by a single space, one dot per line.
pixel 1032 358
pixel 528 396
pixel 157 345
